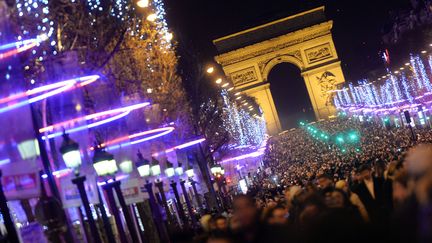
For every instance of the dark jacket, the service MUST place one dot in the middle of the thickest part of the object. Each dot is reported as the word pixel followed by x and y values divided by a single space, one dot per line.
pixel 378 207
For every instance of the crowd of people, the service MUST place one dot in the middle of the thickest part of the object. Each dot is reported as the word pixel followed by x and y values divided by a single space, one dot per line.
pixel 377 189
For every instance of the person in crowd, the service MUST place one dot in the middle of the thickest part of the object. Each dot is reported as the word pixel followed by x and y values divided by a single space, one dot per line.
pixel 354 199
pixel 277 215
pixel 221 223
pixel 371 192
pixel 325 182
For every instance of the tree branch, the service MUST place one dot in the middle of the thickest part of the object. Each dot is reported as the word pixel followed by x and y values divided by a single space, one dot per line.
pixel 117 46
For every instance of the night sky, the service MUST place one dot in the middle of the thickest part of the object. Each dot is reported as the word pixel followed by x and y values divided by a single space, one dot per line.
pixel 357 33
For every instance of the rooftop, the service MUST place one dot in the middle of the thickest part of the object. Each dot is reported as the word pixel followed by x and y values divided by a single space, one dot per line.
pixel 270 30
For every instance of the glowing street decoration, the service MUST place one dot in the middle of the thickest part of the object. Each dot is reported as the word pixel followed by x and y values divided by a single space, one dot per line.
pixel 120 142
pixel 254 154
pixel 185 145
pixel 58 173
pixel 14 48
pixel 4 161
pixel 111 115
pixel 47 91
pixel 181 146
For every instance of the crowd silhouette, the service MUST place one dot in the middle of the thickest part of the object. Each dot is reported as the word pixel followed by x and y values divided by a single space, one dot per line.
pixel 378 189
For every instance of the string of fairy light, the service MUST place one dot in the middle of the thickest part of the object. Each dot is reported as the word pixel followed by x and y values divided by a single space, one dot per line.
pixel 34 18
pixel 241 124
pixel 242 120
pixel 408 85
pixel 36 12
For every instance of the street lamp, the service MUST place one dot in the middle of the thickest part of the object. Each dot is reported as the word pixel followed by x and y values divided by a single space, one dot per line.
pixel 179 169
pixel 70 153
pixel 105 165
pixel 72 158
pixel 126 166
pixel 145 170
pixel 210 70
pixel 180 209
pixel 143 165
pixel 169 171
pixel 190 174
pixel 218 173
pixel 215 169
pixel 155 167
pixel 188 204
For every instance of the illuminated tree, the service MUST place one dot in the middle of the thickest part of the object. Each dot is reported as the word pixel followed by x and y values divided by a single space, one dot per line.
pixel 131 46
pixel 146 66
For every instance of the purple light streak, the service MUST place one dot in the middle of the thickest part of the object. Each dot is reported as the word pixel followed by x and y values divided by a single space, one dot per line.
pixel 20 46
pixel 124 111
pixel 53 89
pixel 181 146
pixel 117 142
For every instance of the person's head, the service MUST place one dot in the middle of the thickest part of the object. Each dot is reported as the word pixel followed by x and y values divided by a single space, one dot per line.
pixel 245 211
pixel 365 172
pixel 312 206
pixel 343 185
pixel 205 222
pixel 392 170
pixel 221 223
pixel 339 199
pixel 379 167
pixel 277 215
pixel 324 181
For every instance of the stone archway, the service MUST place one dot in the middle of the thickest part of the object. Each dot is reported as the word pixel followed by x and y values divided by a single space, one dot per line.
pixel 304 40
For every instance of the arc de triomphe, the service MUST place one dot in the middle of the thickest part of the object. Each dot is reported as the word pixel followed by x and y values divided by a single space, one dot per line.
pixel 304 40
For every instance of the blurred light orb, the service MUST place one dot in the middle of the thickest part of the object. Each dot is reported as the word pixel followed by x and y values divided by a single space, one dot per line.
pixel 126 166
pixel 143 3
pixel 152 17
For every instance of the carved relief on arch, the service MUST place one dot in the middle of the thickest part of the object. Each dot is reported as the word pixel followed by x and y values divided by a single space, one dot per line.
pixel 293 58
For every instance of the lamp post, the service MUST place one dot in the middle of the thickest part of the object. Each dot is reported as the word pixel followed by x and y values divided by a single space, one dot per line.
pixel 104 164
pixel 180 209
pixel 190 175
pixel 188 204
pixel 72 158
pixel 223 180
pixel 106 222
pixel 179 169
pixel 169 172
pixel 126 211
pixel 218 172
pixel 145 170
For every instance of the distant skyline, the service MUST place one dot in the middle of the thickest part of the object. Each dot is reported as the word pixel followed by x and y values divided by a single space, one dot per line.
pixel 357 32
